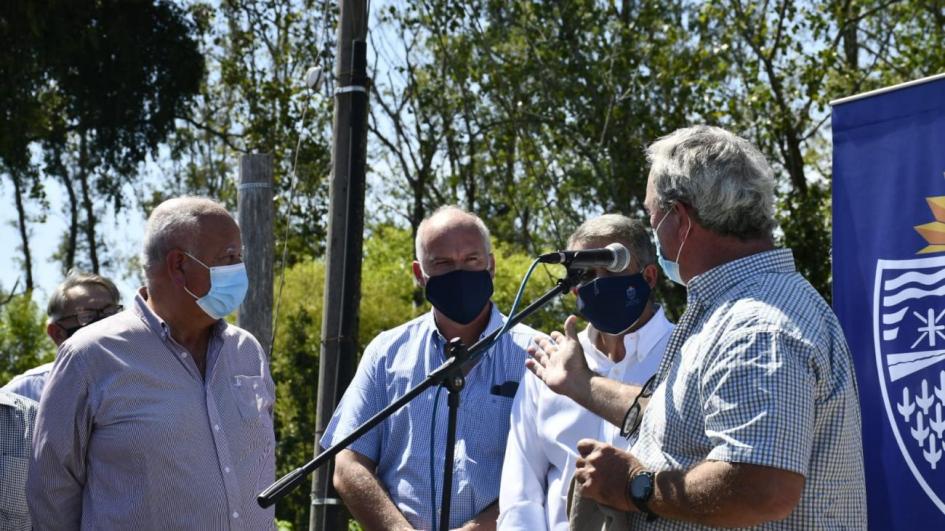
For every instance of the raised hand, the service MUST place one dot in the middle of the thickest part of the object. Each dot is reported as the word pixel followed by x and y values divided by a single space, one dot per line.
pixel 559 362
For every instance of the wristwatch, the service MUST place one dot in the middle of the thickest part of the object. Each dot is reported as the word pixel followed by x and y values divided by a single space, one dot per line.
pixel 640 489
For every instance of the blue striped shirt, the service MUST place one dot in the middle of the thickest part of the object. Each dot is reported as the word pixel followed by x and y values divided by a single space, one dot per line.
pixel 757 371
pixel 131 436
pixel 395 362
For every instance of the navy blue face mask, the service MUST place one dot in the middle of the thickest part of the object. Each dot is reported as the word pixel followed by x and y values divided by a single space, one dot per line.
pixel 460 295
pixel 613 304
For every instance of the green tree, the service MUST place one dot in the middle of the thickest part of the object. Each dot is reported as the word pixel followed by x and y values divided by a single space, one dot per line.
pixel 23 340
pixel 95 87
pixel 255 100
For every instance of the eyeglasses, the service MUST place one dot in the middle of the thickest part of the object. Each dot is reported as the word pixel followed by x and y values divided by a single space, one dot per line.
pixel 634 416
pixel 88 316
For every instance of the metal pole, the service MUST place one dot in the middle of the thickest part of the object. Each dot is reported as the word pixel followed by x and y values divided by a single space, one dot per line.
pixel 344 253
pixel 254 214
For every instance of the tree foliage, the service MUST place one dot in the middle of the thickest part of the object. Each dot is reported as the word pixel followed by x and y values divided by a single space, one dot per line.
pixel 94 86
pixel 255 100
pixel 23 340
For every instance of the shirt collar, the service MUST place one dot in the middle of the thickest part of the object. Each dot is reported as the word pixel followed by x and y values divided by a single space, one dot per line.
pixel 650 333
pixel 496 320
pixel 157 324
pixel 709 286
pixel 646 337
pixel 7 399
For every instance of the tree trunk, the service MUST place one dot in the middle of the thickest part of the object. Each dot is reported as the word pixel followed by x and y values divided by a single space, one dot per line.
pixel 24 234
pixel 69 261
pixel 851 45
pixel 87 203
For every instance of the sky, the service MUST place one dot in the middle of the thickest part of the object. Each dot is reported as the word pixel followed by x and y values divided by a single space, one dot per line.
pixel 122 235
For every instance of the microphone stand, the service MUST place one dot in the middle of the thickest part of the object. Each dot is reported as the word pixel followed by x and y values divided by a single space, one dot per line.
pixel 451 376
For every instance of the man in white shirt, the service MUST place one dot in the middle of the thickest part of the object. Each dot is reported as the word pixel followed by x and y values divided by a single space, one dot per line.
pixel 623 342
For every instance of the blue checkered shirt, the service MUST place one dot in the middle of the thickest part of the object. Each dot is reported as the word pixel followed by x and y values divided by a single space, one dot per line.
pixel 393 363
pixel 757 371
pixel 17 416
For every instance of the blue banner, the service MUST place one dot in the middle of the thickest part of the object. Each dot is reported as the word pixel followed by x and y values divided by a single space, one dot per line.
pixel 889 291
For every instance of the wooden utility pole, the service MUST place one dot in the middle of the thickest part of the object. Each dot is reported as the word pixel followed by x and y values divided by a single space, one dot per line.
pixel 343 255
pixel 254 213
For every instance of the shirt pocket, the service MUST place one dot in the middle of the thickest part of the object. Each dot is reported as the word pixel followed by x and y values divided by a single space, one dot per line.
pixel 13 478
pixel 252 396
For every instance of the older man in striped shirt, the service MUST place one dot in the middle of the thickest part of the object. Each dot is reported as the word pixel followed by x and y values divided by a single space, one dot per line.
pixel 160 417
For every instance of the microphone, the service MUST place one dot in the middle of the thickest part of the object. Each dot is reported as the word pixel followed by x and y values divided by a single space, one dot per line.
pixel 614 258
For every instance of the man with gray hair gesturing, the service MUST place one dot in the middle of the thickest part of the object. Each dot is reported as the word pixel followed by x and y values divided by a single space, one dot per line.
pixel 161 416
pixel 753 418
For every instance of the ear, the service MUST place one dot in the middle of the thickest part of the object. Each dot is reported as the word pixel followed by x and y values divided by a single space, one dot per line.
pixel 491 266
pixel 56 333
pixel 174 265
pixel 651 275
pixel 418 274
pixel 685 215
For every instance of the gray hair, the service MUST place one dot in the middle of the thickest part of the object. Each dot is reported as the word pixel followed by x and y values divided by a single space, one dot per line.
pixel 722 176
pixel 175 223
pixel 456 211
pixel 611 228
pixel 56 306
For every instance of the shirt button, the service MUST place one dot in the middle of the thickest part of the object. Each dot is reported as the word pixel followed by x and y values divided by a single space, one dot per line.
pixel 216 427
pixel 183 355
pixel 226 469
pixel 236 514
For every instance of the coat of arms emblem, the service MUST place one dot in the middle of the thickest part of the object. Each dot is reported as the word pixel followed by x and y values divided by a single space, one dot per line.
pixel 909 338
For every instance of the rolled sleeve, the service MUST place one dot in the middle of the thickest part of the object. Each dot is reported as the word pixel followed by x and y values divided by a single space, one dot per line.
pixel 361 401
pixel 524 483
pixel 57 472
pixel 758 399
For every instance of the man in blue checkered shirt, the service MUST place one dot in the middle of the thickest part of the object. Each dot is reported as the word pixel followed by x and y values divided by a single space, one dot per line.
pixel 753 418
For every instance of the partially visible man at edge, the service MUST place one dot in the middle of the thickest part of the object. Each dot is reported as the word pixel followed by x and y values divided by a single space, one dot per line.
pixel 624 341
pixel 80 300
pixel 753 418
pixel 17 419
pixel 161 417
pixel 391 477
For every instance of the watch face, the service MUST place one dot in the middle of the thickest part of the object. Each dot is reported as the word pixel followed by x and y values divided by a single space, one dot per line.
pixel 641 486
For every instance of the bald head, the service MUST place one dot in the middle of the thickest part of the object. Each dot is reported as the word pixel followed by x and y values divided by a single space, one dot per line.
pixel 178 224
pixel 444 219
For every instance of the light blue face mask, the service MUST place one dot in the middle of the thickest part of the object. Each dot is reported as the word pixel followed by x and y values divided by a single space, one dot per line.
pixel 670 268
pixel 228 285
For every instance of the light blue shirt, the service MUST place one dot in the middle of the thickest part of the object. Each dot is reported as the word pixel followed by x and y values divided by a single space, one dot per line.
pixel 395 362
pixel 31 383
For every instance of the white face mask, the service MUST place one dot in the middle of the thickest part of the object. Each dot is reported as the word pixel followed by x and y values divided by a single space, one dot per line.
pixel 670 267
pixel 228 285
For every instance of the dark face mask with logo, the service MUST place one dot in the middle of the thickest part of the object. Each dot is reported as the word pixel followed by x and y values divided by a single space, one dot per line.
pixel 460 295
pixel 613 304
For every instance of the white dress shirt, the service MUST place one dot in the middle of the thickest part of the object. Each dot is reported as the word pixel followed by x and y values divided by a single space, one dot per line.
pixel 545 428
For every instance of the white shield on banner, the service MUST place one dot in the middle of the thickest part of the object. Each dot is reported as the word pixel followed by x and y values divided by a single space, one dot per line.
pixel 909 338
